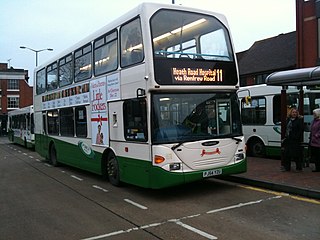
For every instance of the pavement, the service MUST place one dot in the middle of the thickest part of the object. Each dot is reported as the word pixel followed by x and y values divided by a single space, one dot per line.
pixel 265 173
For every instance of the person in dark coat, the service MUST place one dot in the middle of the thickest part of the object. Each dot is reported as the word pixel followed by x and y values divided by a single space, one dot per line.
pixel 315 140
pixel 293 138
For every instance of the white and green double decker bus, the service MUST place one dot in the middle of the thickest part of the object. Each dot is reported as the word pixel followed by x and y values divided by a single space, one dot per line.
pixel 150 100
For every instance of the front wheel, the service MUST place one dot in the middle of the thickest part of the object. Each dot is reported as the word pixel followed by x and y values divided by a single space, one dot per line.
pixel 113 171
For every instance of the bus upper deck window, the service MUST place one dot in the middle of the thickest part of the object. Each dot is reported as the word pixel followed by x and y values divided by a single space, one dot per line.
pixel 82 63
pixel 131 43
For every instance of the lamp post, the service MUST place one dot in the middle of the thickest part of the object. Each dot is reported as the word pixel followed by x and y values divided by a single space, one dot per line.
pixel 36 51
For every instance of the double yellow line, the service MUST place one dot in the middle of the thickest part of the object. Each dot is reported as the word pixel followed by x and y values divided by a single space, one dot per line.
pixel 304 199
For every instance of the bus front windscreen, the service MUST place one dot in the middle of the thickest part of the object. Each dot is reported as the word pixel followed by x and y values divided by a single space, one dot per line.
pixel 194 116
pixel 191 48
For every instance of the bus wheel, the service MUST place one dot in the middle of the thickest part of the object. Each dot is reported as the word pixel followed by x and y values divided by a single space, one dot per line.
pixel 53 155
pixel 257 148
pixel 113 170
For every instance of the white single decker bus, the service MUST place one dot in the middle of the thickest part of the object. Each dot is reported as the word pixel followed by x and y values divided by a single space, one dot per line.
pixel 261 116
pixel 21 126
pixel 150 99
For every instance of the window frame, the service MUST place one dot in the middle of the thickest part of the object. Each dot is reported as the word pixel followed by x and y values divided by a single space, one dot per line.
pixel 13 84
pixel 41 77
pixel 53 124
pixel 254 111
pixel 105 41
pixel 62 64
pixel 53 67
pixel 82 53
pixel 16 102
pixel 131 114
pixel 78 123
pixel 124 58
pixel 66 129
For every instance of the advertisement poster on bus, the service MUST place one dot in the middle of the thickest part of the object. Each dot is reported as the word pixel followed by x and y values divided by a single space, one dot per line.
pixel 72 96
pixel 113 87
pixel 99 116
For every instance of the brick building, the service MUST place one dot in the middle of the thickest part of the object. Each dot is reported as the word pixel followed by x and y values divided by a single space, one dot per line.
pixel 308 33
pixel 15 92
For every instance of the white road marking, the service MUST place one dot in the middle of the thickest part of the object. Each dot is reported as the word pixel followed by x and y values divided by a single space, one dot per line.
pixel 100 188
pixel 241 205
pixel 135 204
pixel 75 177
pixel 25 154
pixel 38 160
pixel 178 221
pixel 31 157
pixel 105 235
pixel 202 233
pixel 48 165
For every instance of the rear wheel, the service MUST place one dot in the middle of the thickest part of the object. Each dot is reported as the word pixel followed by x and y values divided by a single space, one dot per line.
pixel 257 148
pixel 53 156
pixel 113 172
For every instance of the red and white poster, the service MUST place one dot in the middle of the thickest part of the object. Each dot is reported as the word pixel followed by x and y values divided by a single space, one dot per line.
pixel 99 114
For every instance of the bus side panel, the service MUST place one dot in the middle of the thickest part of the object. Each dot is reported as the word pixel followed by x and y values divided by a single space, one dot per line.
pixel 72 154
pixel 40 147
pixel 134 161
pixel 135 171
pixel 273 151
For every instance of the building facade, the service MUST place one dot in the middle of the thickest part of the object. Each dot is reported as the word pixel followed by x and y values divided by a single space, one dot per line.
pixel 265 57
pixel 308 33
pixel 298 49
pixel 15 92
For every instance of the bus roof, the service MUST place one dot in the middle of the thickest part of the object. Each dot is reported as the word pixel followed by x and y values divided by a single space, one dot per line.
pixel 28 109
pixel 140 9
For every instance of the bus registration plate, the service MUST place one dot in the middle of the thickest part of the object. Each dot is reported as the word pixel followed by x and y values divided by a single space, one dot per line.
pixel 211 173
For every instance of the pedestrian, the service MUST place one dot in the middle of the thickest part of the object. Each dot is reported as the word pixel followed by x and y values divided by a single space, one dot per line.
pixel 314 142
pixel 292 141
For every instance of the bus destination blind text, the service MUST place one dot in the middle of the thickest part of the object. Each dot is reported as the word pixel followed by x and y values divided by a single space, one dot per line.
pixel 197 75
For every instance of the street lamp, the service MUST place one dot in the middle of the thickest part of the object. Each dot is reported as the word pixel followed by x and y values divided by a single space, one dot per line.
pixel 36 51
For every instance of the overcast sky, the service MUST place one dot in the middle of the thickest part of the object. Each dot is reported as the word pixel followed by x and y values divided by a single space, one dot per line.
pixel 58 24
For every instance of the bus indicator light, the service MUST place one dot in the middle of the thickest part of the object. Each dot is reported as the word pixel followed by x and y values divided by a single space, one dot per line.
pixel 158 159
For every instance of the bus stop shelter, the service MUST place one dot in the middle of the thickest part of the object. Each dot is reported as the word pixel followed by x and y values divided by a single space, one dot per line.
pixel 299 78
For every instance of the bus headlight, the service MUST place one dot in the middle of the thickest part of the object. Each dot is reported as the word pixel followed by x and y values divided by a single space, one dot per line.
pixel 174 166
pixel 239 156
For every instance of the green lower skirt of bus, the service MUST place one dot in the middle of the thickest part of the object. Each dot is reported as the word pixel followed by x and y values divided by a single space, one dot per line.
pixel 22 142
pixel 160 178
pixel 133 171
pixel 273 151
pixel 142 174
